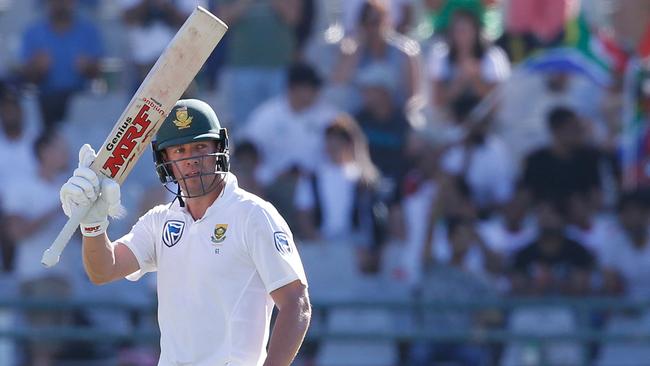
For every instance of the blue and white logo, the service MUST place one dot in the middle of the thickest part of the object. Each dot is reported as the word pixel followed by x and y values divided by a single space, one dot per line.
pixel 172 232
pixel 282 243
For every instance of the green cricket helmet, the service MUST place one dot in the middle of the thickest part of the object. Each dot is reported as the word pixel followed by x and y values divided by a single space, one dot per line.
pixel 190 120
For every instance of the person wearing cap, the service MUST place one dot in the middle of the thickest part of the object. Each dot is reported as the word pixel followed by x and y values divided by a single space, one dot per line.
pixel 223 256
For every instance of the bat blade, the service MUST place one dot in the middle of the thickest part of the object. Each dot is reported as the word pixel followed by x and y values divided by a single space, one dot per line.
pixel 163 86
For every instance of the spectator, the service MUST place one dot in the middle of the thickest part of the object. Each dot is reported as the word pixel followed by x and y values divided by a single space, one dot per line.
pixel 552 264
pixel 384 124
pixel 151 24
pixel 60 54
pixel 567 166
pixel 586 224
pixel 401 14
pixel 626 249
pixel 483 161
pixel 340 199
pixel 626 267
pixel 261 46
pixel 16 136
pixel 465 267
pixel 464 64
pixel 245 163
pixel 288 129
pixel 34 218
pixel 511 228
pixel 530 97
pixel 534 24
pixel 377 42
pixel 32 206
pixel 421 187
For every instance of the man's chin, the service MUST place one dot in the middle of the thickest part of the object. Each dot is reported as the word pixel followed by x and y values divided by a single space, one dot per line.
pixel 195 189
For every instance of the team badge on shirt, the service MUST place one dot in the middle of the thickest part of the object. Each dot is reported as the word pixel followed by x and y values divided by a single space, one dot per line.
pixel 172 232
pixel 219 233
pixel 282 243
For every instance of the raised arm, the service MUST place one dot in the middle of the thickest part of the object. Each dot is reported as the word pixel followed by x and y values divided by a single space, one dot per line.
pixel 103 262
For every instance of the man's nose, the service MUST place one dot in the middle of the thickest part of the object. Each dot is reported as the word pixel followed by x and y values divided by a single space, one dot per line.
pixel 194 160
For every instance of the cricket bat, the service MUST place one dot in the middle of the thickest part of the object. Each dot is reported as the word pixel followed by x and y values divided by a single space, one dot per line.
pixel 164 85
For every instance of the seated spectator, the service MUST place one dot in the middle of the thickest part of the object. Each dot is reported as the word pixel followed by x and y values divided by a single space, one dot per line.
pixel 552 264
pixel 376 42
pixel 511 228
pixel 384 124
pixel 534 24
pixel 464 64
pixel 465 267
pixel 244 163
pixel 34 218
pixel 16 136
pixel 528 99
pixel 483 161
pixel 585 224
pixel 288 129
pixel 626 266
pixel 150 27
pixel 339 201
pixel 401 15
pixel 567 166
pixel 261 45
pixel 60 54
pixel 419 189
pixel 626 249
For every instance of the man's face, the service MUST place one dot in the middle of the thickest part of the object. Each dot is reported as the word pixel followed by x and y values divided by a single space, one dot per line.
pixel 570 135
pixel 55 155
pixel 193 167
pixel 302 96
pixel 61 8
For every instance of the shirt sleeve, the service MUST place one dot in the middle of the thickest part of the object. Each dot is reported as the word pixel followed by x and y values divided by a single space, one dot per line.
pixel 438 62
pixel 495 65
pixel 141 241
pixel 271 246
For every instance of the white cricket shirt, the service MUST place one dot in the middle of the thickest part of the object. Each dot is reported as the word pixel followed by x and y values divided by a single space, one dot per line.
pixel 215 275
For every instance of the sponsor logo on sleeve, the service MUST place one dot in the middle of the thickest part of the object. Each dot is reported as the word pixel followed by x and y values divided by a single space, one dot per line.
pixel 282 243
pixel 172 232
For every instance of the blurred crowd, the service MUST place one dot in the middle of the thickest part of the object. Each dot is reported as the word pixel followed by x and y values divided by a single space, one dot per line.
pixel 460 149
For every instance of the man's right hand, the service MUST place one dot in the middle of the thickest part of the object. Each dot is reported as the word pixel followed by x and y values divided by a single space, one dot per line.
pixel 86 188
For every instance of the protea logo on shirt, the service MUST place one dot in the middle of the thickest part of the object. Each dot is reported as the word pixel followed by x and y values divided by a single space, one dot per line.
pixel 219 233
pixel 282 242
pixel 172 232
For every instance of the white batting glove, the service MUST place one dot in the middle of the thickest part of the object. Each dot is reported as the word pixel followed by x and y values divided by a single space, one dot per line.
pixel 86 188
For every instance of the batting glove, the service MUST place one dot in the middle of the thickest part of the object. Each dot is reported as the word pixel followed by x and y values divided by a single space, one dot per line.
pixel 86 188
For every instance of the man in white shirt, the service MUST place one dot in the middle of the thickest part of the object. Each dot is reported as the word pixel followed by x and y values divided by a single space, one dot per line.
pixel 223 256
pixel 288 129
pixel 17 136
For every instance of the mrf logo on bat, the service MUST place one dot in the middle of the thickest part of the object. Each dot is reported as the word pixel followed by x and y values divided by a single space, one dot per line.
pixel 125 140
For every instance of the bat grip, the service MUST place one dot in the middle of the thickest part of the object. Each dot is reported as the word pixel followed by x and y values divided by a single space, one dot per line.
pixel 53 253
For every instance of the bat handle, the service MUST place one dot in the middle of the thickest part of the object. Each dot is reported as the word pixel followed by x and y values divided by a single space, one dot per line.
pixel 53 253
